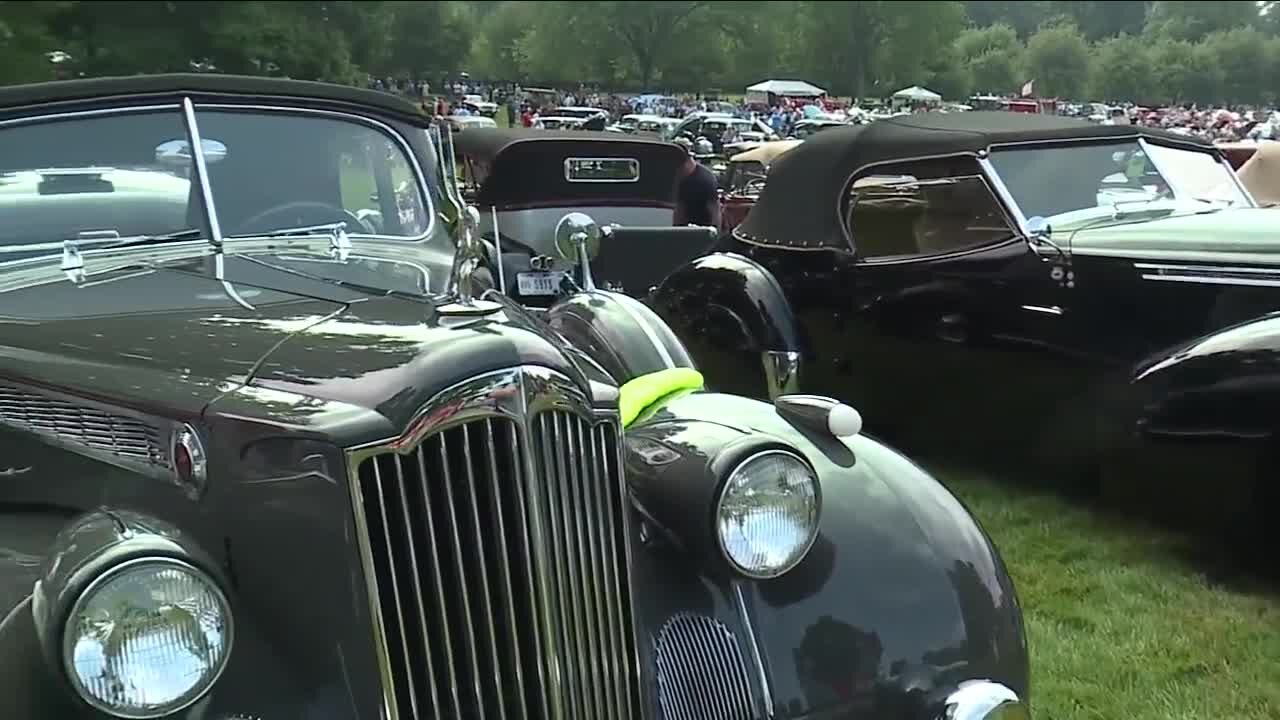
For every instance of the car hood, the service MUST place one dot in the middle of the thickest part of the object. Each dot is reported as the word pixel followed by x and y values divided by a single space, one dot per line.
pixel 170 339
pixel 1244 235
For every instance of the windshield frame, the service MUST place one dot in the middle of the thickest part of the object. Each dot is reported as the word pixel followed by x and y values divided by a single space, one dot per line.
pixel 1015 209
pixel 187 108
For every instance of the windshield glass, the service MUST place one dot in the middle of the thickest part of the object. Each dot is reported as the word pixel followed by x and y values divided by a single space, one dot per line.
pixel 577 112
pixel 1054 181
pixel 98 180
pixel 100 177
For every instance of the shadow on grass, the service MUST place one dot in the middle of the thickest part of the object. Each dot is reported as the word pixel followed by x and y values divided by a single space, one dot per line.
pixel 1224 556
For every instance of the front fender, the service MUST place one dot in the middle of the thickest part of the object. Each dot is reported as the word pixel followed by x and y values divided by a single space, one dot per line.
pixel 1209 408
pixel 902 597
pixel 730 310
pixel 618 332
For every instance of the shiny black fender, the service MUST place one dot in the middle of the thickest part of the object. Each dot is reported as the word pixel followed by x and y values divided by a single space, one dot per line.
pixel 72 551
pixel 1202 420
pixel 901 598
pixel 737 322
pixel 622 335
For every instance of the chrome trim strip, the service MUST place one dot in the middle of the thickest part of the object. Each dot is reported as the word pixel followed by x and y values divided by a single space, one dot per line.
pixel 418 594
pixel 649 332
pixel 753 644
pixel 473 650
pixel 130 110
pixel 478 539
pixel 1211 274
pixel 1048 310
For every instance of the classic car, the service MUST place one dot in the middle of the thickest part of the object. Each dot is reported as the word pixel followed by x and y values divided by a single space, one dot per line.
pixel 812 126
pixel 1037 296
pixel 296 460
pixel 744 178
pixel 458 123
pixel 720 128
pixel 477 104
pixel 654 125
pixel 525 181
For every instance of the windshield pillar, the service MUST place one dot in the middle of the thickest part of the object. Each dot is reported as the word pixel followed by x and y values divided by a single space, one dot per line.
pixel 196 145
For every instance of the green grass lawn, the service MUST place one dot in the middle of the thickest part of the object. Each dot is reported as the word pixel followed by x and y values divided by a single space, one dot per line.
pixel 1121 625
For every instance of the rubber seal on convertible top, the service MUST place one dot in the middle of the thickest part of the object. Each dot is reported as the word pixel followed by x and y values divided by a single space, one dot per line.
pixel 638 394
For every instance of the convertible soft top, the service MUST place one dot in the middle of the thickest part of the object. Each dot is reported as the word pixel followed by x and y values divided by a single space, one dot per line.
pixel 491 142
pixel 526 167
pixel 800 204
pixel 18 98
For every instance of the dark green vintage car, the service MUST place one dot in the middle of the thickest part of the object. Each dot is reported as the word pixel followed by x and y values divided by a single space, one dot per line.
pixel 274 444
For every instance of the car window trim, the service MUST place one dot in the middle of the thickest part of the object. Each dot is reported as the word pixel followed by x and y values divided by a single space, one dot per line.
pixel 423 188
pixel 851 245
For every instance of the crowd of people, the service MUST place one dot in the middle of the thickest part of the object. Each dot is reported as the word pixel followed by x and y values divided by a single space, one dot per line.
pixel 1217 124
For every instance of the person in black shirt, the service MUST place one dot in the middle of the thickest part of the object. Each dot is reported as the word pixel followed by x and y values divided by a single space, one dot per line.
pixel 697 196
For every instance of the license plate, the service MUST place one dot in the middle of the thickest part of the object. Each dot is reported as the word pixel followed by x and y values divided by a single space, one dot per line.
pixel 539 283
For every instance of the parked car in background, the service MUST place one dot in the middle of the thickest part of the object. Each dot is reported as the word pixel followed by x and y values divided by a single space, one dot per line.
pixel 478 105
pixel 526 181
pixel 744 179
pixel 458 123
pixel 1027 293
pixel 291 453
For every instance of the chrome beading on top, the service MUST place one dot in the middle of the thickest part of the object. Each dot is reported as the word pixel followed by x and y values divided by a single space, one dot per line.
pixel 514 481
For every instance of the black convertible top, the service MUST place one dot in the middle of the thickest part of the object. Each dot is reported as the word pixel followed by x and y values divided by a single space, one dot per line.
pixel 801 201
pixel 489 143
pixel 17 98
pixel 526 167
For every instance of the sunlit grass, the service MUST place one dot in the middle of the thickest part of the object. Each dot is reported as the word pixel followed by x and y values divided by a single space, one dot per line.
pixel 1121 625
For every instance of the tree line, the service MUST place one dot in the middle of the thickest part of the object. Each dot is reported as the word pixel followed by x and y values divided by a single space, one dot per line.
pixel 1219 51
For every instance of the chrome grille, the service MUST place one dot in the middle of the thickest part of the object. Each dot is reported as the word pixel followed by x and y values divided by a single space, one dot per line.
pixel 498 560
pixel 117 435
pixel 701 671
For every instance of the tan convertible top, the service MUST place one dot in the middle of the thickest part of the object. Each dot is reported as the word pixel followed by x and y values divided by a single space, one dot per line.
pixel 1261 173
pixel 766 153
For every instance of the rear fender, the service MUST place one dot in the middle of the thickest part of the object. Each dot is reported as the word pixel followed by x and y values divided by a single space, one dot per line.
pixel 738 324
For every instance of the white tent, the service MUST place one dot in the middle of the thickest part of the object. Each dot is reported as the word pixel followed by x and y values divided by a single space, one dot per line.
pixel 915 93
pixel 761 91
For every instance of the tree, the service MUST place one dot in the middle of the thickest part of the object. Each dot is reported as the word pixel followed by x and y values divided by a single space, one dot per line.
pixel 1024 16
pixel 1195 19
pixel 993 56
pixel 1099 19
pixel 1122 70
pixel 1058 61
pixel 1242 56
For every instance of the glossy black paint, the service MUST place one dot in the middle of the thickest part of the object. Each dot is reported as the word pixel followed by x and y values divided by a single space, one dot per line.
pixel 280 391
pixel 902 589
pixel 943 356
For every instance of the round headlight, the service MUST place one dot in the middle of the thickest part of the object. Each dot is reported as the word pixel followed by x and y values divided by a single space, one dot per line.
pixel 147 638
pixel 767 515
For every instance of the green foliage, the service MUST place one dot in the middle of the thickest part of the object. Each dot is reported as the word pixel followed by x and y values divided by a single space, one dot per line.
pixel 1142 50
pixel 1058 61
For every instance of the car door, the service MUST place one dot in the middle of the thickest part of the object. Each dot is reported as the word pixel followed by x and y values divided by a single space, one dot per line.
pixel 933 321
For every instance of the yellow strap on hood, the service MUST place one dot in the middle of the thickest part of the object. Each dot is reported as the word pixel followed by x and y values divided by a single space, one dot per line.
pixel 640 393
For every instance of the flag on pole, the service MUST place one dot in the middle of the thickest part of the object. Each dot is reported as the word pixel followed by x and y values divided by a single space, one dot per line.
pixel 1028 87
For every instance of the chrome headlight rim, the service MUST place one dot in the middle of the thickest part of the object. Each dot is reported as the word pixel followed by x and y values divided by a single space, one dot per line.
pixel 193 695
pixel 718 502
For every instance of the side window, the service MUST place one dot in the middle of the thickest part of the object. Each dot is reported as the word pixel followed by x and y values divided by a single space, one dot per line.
pixel 377 181
pixel 922 209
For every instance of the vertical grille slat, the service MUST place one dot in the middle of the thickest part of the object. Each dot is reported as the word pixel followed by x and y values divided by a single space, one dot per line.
pixel 518 605
pixel 495 472
pixel 461 580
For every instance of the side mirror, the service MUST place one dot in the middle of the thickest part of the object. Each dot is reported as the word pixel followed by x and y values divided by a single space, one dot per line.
pixel 578 242
pixel 177 153
pixel 1039 227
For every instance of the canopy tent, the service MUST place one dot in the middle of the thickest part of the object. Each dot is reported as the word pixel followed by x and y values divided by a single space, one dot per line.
pixel 915 93
pixel 764 92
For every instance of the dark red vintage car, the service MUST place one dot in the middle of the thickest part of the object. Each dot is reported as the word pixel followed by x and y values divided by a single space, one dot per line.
pixel 744 179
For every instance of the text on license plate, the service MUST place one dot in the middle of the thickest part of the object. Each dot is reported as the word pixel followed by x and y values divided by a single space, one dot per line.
pixel 539 283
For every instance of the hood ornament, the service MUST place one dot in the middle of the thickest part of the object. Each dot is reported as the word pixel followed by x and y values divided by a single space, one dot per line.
pixel 468 259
